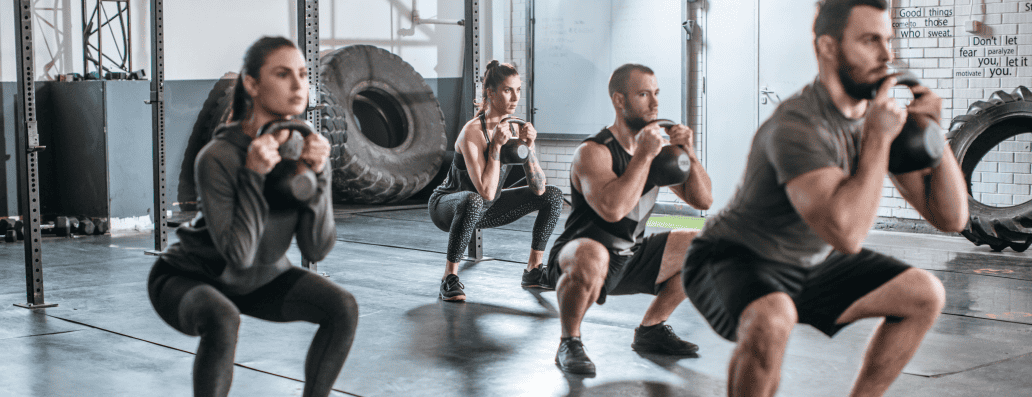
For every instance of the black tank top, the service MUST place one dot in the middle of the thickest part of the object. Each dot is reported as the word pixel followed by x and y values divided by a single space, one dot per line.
pixel 458 177
pixel 620 236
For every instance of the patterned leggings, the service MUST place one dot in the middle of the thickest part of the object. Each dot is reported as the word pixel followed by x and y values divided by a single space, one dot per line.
pixel 460 213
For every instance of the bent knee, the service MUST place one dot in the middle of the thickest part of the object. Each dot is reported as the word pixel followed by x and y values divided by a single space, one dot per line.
pixel 585 261
pixel 929 295
pixel 342 309
pixel 768 319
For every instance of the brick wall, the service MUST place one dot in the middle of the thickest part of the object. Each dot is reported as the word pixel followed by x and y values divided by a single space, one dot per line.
pixel 963 68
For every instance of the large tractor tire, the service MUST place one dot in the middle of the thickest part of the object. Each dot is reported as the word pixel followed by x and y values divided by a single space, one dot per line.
pixel 215 111
pixel 971 136
pixel 395 141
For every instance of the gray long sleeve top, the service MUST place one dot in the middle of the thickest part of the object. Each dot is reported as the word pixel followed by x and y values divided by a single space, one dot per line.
pixel 235 240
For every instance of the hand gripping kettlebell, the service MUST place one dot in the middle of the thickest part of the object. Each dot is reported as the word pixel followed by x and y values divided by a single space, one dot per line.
pixel 514 151
pixel 671 165
pixel 290 182
pixel 920 144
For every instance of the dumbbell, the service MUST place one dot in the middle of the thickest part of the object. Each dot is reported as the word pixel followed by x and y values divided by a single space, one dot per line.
pixel 920 144
pixel 73 224
pixel 671 165
pixel 19 230
pixel 85 227
pixel 101 226
pixel 62 226
pixel 10 233
pixel 514 151
pixel 290 181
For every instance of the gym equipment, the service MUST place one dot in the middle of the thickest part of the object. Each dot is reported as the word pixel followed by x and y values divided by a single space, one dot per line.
pixel 7 226
pixel 19 230
pixel 514 151
pixel 86 226
pixel 61 227
pixel 920 144
pixel 101 226
pixel 396 139
pixel 671 165
pixel 290 181
pixel 972 136
pixel 214 111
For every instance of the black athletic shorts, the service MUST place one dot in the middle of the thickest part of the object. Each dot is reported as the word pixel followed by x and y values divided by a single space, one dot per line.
pixel 722 278
pixel 628 274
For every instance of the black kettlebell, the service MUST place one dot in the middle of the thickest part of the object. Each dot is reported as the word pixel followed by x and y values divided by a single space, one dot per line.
pixel 514 151
pixel 671 165
pixel 920 144
pixel 290 182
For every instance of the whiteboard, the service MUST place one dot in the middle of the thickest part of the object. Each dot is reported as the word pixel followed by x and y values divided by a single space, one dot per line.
pixel 578 43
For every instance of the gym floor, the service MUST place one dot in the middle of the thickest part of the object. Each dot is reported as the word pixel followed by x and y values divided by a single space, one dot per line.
pixel 104 339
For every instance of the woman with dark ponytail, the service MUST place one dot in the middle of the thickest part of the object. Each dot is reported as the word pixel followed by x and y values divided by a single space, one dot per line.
pixel 231 259
pixel 472 195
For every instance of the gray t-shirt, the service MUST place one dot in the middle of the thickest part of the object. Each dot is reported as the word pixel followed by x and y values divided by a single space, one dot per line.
pixel 805 133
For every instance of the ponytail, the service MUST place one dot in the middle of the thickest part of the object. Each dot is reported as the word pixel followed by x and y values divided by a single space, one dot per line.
pixel 494 74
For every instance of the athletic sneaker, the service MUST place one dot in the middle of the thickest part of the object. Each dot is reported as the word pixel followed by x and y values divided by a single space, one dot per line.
pixel 451 289
pixel 572 358
pixel 534 278
pixel 660 338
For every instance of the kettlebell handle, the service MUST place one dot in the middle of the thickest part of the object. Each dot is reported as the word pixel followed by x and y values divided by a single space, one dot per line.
pixel 293 125
pixel 667 123
pixel 904 77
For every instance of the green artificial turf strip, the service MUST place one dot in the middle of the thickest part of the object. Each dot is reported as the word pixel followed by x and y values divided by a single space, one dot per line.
pixel 676 222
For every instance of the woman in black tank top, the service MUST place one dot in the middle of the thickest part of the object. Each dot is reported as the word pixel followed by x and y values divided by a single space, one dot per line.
pixel 472 196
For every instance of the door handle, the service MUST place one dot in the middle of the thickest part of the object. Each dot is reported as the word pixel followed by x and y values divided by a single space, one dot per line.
pixel 765 94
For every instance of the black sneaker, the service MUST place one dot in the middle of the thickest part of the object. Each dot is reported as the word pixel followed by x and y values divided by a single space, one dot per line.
pixel 451 289
pixel 572 358
pixel 660 338
pixel 534 278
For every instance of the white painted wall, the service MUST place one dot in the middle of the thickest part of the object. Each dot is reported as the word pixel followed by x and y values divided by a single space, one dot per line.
pixel 205 39
pixel 578 44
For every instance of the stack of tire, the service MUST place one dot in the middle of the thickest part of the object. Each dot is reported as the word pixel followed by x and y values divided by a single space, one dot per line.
pixel 384 124
pixel 971 136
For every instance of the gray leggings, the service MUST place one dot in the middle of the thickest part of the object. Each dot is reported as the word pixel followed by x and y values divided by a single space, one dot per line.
pixel 460 213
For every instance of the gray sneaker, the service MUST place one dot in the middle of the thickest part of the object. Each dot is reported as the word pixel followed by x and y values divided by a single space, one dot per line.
pixel 451 289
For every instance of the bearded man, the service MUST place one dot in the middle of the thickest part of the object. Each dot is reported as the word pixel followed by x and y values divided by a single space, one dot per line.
pixel 787 249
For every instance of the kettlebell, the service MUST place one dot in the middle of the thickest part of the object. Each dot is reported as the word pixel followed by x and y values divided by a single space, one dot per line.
pixel 671 165
pixel 920 143
pixel 514 151
pixel 290 182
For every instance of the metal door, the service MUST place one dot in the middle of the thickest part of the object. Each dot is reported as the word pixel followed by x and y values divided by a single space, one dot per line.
pixel 787 61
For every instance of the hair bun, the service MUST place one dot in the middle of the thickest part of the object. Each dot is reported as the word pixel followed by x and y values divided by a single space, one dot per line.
pixel 493 64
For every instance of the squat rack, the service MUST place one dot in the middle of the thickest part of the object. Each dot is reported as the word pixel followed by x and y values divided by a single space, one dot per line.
pixel 27 134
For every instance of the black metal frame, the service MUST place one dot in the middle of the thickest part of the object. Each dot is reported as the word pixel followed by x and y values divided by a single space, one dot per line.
pixel 531 110
pixel 308 43
pixel 26 147
pixel 157 102
pixel 92 28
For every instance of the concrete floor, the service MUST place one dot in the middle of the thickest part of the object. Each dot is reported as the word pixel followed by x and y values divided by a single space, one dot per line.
pixel 104 339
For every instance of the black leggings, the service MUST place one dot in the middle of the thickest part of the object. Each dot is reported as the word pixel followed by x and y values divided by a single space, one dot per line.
pixel 197 307
pixel 460 213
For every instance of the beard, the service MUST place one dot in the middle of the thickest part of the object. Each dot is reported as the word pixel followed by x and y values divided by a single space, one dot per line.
pixel 635 123
pixel 849 74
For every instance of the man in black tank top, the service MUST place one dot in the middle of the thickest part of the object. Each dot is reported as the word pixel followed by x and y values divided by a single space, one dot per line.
pixel 603 250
